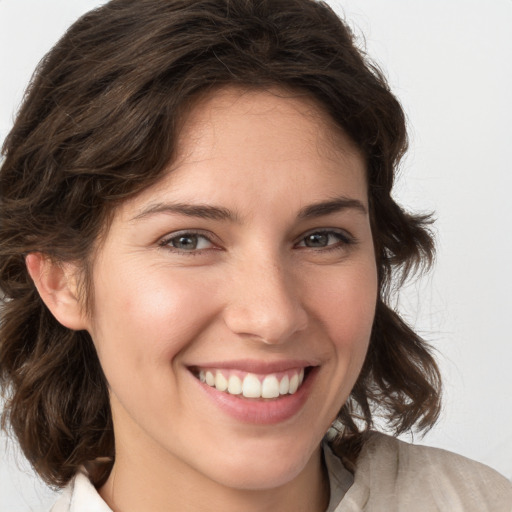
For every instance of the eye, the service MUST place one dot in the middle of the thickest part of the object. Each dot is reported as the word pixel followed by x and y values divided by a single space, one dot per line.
pixel 324 239
pixel 187 242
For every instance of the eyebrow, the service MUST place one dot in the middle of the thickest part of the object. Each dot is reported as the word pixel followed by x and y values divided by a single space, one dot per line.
pixel 205 211
pixel 202 211
pixel 332 206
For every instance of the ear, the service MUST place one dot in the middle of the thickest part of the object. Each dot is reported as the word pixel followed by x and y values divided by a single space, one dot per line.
pixel 57 285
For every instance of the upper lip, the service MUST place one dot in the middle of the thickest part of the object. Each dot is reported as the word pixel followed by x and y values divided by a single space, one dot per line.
pixel 256 366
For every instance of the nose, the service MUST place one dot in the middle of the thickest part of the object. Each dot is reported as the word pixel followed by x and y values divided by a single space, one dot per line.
pixel 264 302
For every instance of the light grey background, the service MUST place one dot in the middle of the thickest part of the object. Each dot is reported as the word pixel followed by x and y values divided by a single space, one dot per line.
pixel 449 62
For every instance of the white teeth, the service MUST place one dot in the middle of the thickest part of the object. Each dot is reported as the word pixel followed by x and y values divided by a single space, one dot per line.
pixel 221 382
pixel 251 387
pixel 284 386
pixel 234 385
pixel 270 387
pixel 210 379
pixel 294 384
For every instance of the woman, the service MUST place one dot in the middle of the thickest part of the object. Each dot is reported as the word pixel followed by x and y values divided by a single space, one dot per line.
pixel 197 241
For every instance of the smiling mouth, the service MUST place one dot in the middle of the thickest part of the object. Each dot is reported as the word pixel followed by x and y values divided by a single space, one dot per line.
pixel 253 385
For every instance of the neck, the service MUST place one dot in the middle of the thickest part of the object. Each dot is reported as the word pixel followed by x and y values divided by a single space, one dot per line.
pixel 140 483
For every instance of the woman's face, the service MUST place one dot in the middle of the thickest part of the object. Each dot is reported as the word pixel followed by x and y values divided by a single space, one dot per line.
pixel 248 269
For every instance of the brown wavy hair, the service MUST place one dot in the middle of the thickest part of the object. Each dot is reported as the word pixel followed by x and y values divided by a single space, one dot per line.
pixel 99 124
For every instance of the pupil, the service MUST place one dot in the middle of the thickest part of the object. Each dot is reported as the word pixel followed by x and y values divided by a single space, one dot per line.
pixel 317 240
pixel 186 242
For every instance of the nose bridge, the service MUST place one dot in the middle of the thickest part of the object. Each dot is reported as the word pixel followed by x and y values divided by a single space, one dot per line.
pixel 264 301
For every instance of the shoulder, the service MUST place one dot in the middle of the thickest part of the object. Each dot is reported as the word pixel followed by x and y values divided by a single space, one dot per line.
pixel 80 496
pixel 411 477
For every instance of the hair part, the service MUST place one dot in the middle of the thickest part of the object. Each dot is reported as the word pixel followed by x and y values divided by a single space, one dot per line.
pixel 99 124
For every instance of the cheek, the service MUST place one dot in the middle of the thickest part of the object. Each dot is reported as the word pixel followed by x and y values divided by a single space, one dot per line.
pixel 345 305
pixel 150 316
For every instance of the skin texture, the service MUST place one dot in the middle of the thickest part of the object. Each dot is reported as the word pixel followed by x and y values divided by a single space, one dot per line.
pixel 252 290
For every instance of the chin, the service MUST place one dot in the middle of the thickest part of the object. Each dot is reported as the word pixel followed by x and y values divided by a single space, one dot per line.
pixel 260 475
pixel 263 465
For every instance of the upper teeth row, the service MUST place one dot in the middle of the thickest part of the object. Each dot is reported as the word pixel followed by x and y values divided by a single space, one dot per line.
pixel 251 386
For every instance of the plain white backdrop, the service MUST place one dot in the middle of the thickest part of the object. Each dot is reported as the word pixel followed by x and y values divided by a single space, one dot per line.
pixel 450 64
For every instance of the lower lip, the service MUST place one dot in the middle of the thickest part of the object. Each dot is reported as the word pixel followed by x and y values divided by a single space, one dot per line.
pixel 260 412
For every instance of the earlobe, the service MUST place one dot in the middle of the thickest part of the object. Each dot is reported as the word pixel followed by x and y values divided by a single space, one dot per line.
pixel 57 285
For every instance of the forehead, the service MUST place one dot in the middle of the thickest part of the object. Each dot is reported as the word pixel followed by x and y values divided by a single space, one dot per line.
pixel 243 143
pixel 286 117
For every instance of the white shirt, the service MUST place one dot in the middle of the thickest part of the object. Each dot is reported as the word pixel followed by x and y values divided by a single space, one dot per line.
pixel 390 476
